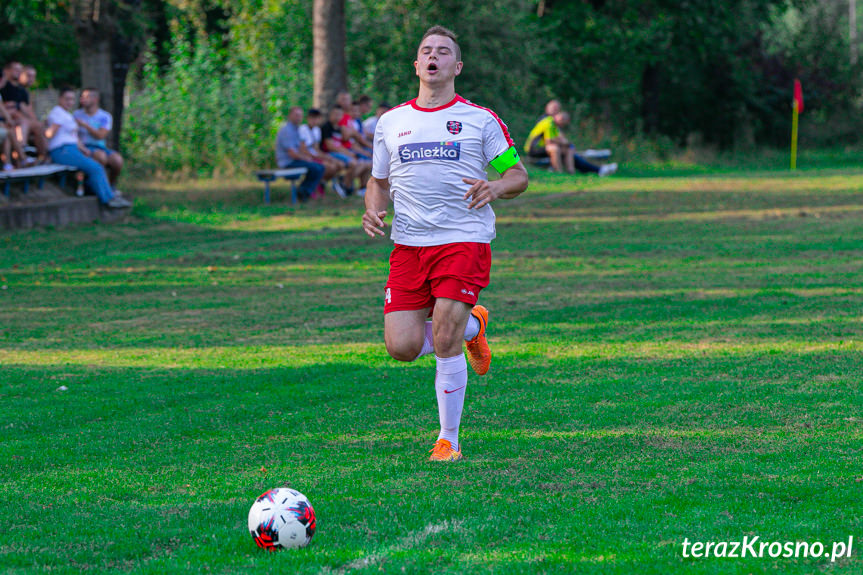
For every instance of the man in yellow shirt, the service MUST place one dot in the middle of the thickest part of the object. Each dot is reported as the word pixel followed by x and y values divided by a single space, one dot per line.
pixel 546 140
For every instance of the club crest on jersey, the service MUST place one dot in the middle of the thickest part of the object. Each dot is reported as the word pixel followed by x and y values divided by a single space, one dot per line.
pixel 419 151
pixel 453 127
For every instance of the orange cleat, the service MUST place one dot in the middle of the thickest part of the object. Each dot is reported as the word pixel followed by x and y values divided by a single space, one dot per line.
pixel 478 352
pixel 443 451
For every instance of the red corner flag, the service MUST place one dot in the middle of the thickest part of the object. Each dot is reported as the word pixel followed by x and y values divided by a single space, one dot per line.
pixel 798 95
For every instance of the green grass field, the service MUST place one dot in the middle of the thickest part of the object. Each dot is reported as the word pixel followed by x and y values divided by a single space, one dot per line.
pixel 678 355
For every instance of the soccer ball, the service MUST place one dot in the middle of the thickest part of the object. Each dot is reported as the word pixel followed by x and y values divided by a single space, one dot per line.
pixel 281 518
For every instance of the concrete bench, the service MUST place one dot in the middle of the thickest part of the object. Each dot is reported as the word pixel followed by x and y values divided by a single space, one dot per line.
pixel 37 173
pixel 292 174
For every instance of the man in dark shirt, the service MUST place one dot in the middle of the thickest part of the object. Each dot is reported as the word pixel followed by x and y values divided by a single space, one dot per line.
pixel 8 142
pixel 17 102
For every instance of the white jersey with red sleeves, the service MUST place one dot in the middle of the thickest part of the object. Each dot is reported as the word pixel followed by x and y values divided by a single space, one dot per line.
pixel 425 153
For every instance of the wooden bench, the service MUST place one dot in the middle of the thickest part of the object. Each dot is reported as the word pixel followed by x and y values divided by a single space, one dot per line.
pixel 292 174
pixel 38 173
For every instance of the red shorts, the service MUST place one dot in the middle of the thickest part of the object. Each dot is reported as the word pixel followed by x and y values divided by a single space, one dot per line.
pixel 419 275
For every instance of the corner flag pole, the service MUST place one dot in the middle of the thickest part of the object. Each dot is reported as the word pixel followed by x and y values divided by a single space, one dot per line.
pixel 794 136
pixel 797 107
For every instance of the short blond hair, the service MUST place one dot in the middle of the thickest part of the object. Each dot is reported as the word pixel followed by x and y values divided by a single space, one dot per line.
pixel 441 31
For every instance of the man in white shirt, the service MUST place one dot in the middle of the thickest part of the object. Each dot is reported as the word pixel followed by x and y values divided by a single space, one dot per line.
pixel 430 157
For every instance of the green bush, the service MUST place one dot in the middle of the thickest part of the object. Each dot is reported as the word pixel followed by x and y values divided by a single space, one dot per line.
pixel 218 103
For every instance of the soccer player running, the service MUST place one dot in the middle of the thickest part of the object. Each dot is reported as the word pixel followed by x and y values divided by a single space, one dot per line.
pixel 430 158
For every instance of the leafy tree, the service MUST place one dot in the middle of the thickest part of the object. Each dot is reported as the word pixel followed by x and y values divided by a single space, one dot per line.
pixel 37 32
pixel 232 70
pixel 667 67
pixel 87 42
pixel 810 42
pixel 110 34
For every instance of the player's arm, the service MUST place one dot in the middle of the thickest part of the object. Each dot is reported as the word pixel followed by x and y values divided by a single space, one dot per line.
pixel 512 182
pixel 377 201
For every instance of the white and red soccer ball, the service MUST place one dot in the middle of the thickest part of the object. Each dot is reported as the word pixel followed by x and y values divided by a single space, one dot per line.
pixel 282 518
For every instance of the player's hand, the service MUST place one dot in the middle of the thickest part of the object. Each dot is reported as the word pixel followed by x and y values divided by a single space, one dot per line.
pixel 373 223
pixel 482 192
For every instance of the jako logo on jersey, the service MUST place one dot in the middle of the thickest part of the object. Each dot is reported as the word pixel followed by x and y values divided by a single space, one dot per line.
pixel 453 127
pixel 403 134
pixel 429 151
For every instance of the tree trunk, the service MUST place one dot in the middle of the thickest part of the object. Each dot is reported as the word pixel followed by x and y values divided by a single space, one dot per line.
pixel 96 66
pixel 330 66
pixel 123 53
pixel 650 98
pixel 105 54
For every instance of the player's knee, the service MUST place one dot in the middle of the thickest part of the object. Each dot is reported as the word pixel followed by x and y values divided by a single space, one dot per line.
pixel 403 345
pixel 402 352
pixel 448 343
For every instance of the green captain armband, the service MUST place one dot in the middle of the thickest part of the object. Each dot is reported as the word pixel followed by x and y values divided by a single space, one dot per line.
pixel 505 161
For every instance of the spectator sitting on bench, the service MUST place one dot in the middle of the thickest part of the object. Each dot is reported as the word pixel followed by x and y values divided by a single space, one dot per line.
pixel 360 135
pixel 37 139
pixel 291 152
pixel 310 134
pixel 552 107
pixel 547 140
pixel 352 139
pixel 365 107
pixel 28 77
pixel 8 141
pixel 335 144
pixel 17 102
pixel 362 108
pixel 65 148
pixel 95 125
pixel 370 123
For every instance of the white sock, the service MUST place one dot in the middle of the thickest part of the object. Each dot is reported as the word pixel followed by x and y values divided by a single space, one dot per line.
pixel 450 383
pixel 428 343
pixel 471 329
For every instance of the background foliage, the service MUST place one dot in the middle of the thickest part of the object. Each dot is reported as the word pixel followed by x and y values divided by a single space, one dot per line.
pixel 211 90
pixel 37 32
